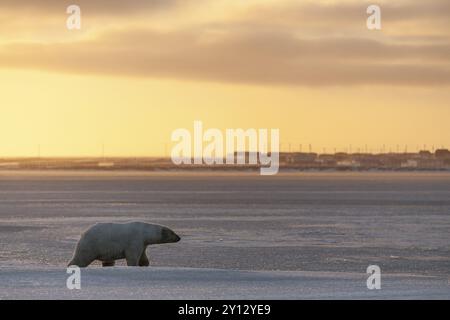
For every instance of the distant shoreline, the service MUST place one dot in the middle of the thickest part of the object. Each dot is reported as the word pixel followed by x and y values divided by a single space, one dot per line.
pixel 423 161
pixel 211 173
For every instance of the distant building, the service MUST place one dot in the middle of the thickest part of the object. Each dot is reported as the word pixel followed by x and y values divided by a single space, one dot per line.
pixel 301 157
pixel 105 164
pixel 430 164
pixel 348 164
pixel 327 160
pixel 341 156
pixel 442 154
pixel 410 164
pixel 9 165
pixel 425 154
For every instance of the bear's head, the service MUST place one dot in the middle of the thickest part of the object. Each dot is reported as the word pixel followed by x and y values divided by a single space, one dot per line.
pixel 168 236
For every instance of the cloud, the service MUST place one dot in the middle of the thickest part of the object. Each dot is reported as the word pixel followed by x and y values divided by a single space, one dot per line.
pixel 95 7
pixel 251 57
pixel 350 12
pixel 258 44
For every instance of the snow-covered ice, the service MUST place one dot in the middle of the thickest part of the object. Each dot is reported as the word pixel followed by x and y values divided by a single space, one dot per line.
pixel 191 283
pixel 308 235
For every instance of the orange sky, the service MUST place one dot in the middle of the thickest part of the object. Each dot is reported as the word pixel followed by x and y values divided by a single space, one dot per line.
pixel 137 70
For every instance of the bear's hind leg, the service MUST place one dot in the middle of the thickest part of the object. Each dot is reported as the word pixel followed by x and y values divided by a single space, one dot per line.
pixel 143 261
pixel 81 263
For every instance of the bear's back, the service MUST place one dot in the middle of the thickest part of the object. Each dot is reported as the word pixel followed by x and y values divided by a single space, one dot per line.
pixel 104 233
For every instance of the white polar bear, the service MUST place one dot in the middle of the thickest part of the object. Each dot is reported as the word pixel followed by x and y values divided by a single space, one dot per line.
pixel 108 242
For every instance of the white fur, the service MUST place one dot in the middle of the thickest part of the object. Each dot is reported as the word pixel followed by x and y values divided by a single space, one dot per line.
pixel 108 242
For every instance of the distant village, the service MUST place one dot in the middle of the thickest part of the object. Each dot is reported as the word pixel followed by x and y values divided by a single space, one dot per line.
pixel 301 161
pixel 423 160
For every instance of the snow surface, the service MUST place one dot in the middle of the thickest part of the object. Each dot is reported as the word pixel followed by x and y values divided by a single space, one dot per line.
pixel 191 283
pixel 304 236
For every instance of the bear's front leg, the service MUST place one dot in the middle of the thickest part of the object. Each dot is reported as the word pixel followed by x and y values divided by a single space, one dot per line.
pixel 133 255
pixel 143 261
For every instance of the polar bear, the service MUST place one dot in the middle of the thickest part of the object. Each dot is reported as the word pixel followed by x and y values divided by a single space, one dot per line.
pixel 108 242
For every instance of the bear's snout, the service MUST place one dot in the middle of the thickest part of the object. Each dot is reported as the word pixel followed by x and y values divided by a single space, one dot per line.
pixel 169 236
